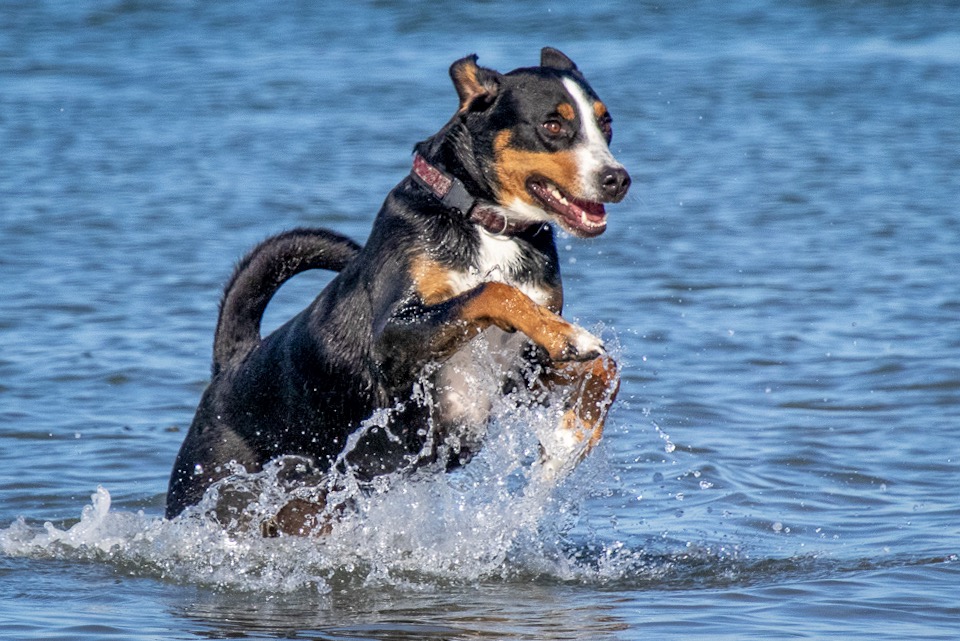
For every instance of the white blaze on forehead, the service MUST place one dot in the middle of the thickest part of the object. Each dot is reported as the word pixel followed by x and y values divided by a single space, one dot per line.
pixel 593 154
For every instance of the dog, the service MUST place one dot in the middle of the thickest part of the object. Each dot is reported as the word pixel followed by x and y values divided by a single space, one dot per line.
pixel 462 246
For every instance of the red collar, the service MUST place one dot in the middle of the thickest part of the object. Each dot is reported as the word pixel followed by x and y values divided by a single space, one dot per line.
pixel 452 193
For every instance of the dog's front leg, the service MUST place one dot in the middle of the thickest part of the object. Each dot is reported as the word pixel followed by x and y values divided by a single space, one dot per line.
pixel 576 363
pixel 591 388
pixel 428 332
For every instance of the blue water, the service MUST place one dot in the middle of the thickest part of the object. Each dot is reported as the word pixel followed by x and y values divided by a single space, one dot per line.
pixel 781 287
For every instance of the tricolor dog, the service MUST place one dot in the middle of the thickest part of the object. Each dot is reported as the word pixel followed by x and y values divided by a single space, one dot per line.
pixel 462 246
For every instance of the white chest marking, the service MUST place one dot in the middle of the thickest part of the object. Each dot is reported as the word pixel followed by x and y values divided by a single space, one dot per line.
pixel 499 257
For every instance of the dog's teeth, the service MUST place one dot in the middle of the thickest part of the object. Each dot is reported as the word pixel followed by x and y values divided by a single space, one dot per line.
pixel 589 223
pixel 556 193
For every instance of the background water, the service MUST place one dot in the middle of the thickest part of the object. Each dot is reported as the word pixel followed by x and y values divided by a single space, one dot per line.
pixel 781 287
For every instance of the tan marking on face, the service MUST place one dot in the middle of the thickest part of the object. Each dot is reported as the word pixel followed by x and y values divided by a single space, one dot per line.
pixel 599 109
pixel 431 280
pixel 515 166
pixel 566 111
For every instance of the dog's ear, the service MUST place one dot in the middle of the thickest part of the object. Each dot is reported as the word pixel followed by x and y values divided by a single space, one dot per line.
pixel 555 59
pixel 476 85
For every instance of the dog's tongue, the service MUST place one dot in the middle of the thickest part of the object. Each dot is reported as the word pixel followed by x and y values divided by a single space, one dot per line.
pixel 594 211
pixel 580 217
pixel 588 218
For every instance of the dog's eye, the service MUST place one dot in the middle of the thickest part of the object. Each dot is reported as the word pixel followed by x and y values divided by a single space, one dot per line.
pixel 553 127
pixel 606 126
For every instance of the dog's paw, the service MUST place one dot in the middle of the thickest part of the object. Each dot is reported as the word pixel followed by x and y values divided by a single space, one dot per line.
pixel 560 452
pixel 582 346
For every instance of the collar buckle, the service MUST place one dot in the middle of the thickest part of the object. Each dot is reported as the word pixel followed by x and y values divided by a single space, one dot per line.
pixel 452 193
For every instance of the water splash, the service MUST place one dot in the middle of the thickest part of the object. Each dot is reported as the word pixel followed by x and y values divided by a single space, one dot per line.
pixel 498 517
pixel 492 519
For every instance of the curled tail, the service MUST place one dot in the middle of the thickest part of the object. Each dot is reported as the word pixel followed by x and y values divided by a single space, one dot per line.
pixel 260 274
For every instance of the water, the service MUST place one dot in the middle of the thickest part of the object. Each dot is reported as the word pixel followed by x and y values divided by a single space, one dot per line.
pixel 780 287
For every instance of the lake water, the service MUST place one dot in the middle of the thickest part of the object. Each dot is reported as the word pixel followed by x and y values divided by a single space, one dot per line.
pixel 782 287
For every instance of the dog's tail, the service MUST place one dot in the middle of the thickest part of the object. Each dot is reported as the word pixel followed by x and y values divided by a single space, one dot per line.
pixel 260 274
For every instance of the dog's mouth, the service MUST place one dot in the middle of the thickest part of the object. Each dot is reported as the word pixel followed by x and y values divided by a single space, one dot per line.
pixel 581 218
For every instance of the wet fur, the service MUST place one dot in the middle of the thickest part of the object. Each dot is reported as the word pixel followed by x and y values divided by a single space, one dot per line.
pixel 407 303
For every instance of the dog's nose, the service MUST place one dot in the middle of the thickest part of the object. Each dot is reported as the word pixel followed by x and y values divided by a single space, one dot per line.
pixel 614 182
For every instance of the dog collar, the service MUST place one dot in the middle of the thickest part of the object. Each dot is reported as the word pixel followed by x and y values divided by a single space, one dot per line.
pixel 452 193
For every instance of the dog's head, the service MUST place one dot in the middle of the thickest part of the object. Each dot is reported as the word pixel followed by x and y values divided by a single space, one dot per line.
pixel 537 139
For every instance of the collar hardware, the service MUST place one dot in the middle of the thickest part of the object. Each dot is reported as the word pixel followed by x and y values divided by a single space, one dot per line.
pixel 452 193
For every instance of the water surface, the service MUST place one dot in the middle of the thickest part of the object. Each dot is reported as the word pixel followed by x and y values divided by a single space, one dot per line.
pixel 780 286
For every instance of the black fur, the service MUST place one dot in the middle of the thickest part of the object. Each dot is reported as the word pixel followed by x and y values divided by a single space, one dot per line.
pixel 367 338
